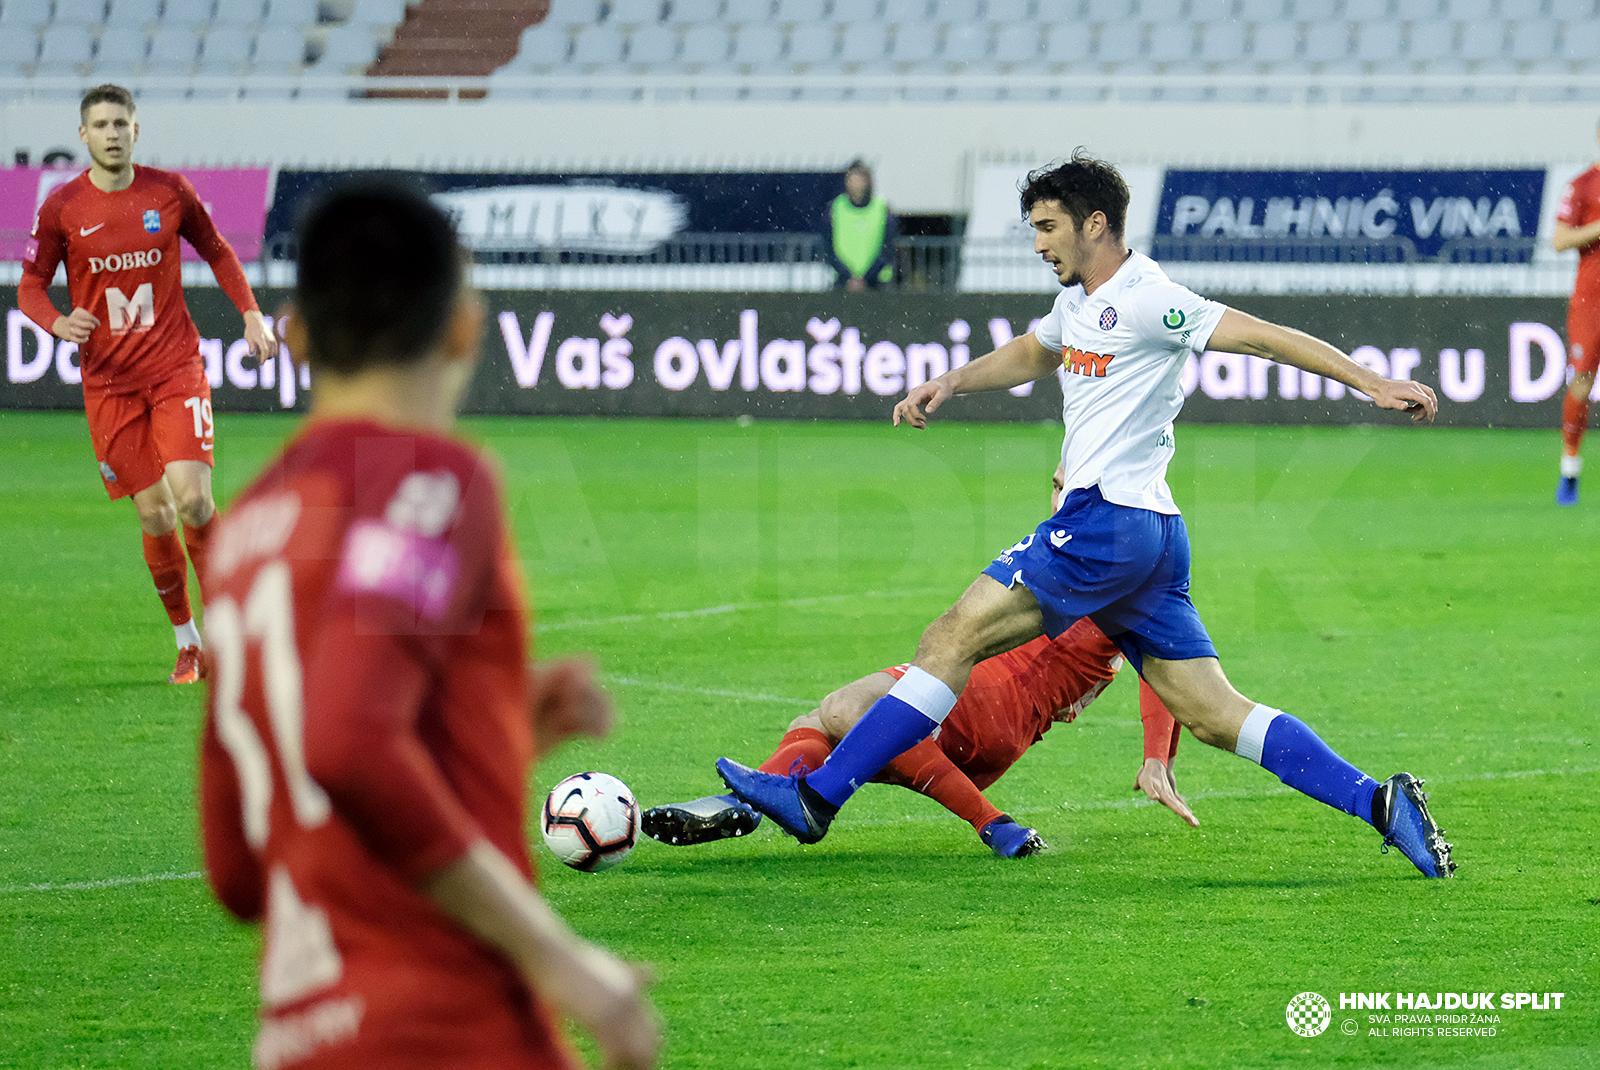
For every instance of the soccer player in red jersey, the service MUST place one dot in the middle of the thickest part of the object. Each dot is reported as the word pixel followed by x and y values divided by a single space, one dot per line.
pixel 1010 703
pixel 117 226
pixel 1578 227
pixel 372 709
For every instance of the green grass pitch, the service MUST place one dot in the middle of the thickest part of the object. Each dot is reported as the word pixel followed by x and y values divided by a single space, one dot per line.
pixel 1412 593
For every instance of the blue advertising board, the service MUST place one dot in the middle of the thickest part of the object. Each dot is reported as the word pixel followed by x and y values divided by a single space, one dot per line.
pixel 1349 216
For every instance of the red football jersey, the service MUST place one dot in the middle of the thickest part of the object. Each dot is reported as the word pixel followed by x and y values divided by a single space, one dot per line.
pixel 123 265
pixel 368 720
pixel 1580 206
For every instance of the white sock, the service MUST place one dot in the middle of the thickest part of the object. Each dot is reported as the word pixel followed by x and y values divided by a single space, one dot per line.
pixel 1571 467
pixel 187 634
pixel 1253 733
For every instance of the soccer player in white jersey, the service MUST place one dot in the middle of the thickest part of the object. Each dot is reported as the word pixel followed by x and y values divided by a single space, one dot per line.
pixel 1116 550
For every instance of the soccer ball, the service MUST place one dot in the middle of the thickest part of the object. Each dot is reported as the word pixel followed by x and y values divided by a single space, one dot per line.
pixel 590 821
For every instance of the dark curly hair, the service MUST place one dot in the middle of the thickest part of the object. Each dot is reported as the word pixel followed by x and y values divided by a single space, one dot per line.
pixel 1083 186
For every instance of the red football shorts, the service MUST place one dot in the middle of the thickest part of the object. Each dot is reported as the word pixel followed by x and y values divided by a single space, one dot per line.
pixel 992 724
pixel 1583 336
pixel 137 435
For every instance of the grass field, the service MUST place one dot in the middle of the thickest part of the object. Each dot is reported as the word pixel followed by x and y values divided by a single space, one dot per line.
pixel 1410 592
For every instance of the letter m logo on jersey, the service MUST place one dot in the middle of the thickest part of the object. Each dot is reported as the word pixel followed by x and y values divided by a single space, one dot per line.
pixel 125 314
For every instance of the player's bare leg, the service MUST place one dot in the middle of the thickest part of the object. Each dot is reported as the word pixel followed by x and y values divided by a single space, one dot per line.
pixel 160 510
pixel 1574 422
pixel 1201 698
pixel 989 618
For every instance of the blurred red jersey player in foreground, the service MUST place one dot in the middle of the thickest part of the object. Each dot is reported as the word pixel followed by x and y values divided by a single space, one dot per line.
pixel 373 712
pixel 117 226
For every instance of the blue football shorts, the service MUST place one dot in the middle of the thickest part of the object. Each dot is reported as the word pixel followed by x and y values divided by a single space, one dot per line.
pixel 1125 569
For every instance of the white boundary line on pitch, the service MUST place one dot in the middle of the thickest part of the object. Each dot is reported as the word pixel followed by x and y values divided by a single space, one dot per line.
pixel 627 681
pixel 1105 804
pixel 732 607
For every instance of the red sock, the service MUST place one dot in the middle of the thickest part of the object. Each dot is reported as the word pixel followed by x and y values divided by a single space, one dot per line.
pixel 195 540
pixel 808 747
pixel 1574 420
pixel 170 571
pixel 929 771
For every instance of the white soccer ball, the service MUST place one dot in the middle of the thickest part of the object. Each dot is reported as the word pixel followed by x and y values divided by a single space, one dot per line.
pixel 590 821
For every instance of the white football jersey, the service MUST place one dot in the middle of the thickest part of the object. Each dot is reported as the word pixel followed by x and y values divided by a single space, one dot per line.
pixel 1123 349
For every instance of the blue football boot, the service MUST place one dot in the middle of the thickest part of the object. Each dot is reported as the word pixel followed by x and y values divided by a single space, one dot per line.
pixel 1411 828
pixel 798 810
pixel 1567 491
pixel 1007 839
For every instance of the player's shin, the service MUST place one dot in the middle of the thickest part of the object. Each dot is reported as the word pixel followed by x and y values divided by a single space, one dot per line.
pixel 1287 748
pixel 169 570
pixel 800 751
pixel 916 705
pixel 195 541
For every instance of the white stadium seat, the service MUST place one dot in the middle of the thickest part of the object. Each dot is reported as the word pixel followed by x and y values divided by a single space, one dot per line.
pixel 1067 42
pixel 956 11
pixel 1468 10
pixel 914 42
pixel 543 44
pixel 1572 9
pixel 1007 11
pixel 801 10
pixel 1581 41
pixel 1162 11
pixel 758 43
pixel 1108 10
pixel 225 48
pixel 80 12
pixel 597 44
pixel 863 42
pixel 737 11
pixel 1416 10
pixel 1273 42
pixel 1210 10
pixel 296 13
pixel 1017 42
pixel 1049 12
pixel 279 48
pixel 966 42
pixel 121 50
pixel 1118 42
pixel 172 50
pixel 1261 10
pixel 1379 42
pixel 1533 39
pixel 187 12
pixel 1521 9
pixel 62 48
pixel 653 45
pixel 130 14
pixel 30 13
pixel 693 10
pixel 238 12
pixel 813 42
pixel 1366 10
pixel 1431 41
pixel 347 46
pixel 1327 42
pixel 705 43
pixel 573 12
pixel 1222 42
pixel 1483 40
pixel 366 12
pixel 901 11
pixel 635 11
pixel 18 45
pixel 1172 42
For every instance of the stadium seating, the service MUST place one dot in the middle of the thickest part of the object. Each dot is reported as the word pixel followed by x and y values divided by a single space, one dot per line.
pixel 941 40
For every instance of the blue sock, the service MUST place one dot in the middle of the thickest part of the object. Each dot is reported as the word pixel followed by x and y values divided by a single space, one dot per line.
pixel 908 714
pixel 1287 748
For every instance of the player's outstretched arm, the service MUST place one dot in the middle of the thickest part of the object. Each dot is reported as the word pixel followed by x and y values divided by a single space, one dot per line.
pixel 1156 780
pixel 1155 777
pixel 1021 360
pixel 1567 236
pixel 1240 332
pixel 487 895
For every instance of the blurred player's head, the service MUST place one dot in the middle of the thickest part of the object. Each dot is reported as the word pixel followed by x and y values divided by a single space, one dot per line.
pixel 858 182
pixel 381 278
pixel 1082 186
pixel 107 127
